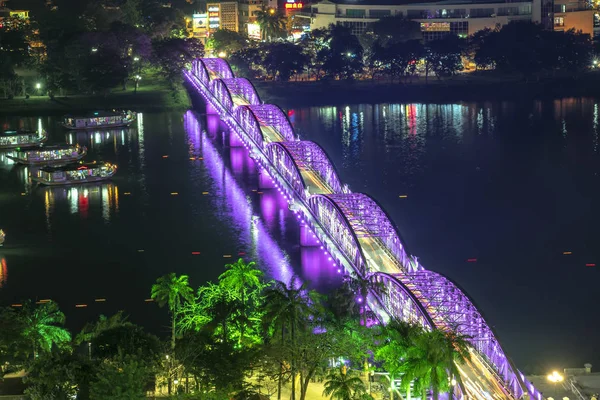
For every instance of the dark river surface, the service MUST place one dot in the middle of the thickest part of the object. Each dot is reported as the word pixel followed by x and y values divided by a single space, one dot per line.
pixel 512 185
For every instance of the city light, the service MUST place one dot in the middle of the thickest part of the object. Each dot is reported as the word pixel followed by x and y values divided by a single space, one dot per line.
pixel 222 54
pixel 555 377
pixel 38 85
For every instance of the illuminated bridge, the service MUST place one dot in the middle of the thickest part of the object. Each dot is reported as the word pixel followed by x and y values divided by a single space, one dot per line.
pixel 354 231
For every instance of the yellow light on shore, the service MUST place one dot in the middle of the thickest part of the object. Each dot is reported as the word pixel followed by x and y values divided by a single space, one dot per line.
pixel 222 54
pixel 555 377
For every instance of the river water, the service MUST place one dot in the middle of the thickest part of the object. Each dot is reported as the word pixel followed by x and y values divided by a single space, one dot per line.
pixel 512 186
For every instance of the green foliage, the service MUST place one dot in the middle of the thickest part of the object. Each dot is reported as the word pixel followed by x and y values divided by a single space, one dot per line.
pixel 272 23
pixel 226 41
pixel 127 340
pixel 395 29
pixel 42 327
pixel 123 379
pixel 282 60
pixel 92 329
pixel 58 376
pixel 174 54
pixel 343 385
pixel 342 58
pixel 444 55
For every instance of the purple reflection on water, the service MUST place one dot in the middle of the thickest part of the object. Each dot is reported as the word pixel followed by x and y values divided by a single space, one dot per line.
pixel 317 268
pixel 241 164
pixel 231 200
pixel 212 123
pixel 268 207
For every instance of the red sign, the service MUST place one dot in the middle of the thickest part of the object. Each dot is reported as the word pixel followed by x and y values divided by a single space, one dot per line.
pixel 293 5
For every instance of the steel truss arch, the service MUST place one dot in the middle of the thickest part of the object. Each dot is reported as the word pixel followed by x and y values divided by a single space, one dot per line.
pixel 368 219
pixel 273 116
pixel 217 68
pixel 200 71
pixel 246 118
pixel 293 158
pixel 452 310
pixel 243 88
pixel 335 222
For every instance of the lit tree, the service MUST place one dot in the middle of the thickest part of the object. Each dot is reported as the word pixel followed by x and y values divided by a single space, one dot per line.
pixel 343 385
pixel 432 361
pixel 243 280
pixel 172 290
pixel 272 23
pixel 42 326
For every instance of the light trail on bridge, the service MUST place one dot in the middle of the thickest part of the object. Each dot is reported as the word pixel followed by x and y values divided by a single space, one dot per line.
pixel 356 232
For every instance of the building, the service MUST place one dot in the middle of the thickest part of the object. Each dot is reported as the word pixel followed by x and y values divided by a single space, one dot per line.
pixel 248 10
pixel 461 17
pixel 223 16
pixel 197 26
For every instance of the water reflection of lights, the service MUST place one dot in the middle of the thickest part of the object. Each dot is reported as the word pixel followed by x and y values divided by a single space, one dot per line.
pixel 81 198
pixel 239 206
pixel 93 138
pixel 3 271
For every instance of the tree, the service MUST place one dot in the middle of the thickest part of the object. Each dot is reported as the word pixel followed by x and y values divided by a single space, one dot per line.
pixel 444 55
pixel 396 29
pixel 172 290
pixel 246 61
pixel 93 329
pixel 127 340
pixel 343 385
pixel 42 327
pixel 287 310
pixel 272 23
pixel 284 59
pixel 226 41
pixel 244 280
pixel 398 337
pixel 172 55
pixel 59 376
pixel 105 70
pixel 431 361
pixel 344 57
pixel 316 46
pixel 123 379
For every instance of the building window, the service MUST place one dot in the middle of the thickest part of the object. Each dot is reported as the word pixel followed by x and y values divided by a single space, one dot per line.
pixel 596 20
pixel 560 8
pixel 315 10
pixel 559 21
pixel 355 13
pixel 418 14
pixel 379 13
pixel 481 12
pixel 356 28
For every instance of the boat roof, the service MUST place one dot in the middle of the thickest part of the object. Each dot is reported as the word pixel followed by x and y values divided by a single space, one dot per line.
pixel 50 148
pixel 74 167
pixel 18 132
pixel 98 113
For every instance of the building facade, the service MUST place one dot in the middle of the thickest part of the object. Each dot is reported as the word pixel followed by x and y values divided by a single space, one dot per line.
pixel 461 17
pixel 223 16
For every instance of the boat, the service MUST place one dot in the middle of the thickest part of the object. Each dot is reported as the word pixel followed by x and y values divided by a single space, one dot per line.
pixel 21 139
pixel 2 237
pixel 75 174
pixel 49 155
pixel 99 119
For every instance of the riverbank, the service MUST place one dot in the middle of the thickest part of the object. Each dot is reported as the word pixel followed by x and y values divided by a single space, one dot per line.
pixel 144 100
pixel 465 87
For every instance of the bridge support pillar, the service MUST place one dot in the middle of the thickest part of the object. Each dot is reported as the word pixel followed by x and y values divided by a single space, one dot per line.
pixel 213 123
pixel 264 181
pixel 307 237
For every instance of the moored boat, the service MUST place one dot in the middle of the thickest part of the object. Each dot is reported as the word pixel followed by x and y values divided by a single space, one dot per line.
pixel 2 237
pixel 99 119
pixel 21 139
pixel 49 155
pixel 75 174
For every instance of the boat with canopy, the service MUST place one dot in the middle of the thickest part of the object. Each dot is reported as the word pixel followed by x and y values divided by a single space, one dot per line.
pixel 99 119
pixel 75 174
pixel 49 155
pixel 21 139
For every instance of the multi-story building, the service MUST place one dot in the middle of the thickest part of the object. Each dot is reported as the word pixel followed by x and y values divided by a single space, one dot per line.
pixel 223 15
pixel 248 10
pixel 461 17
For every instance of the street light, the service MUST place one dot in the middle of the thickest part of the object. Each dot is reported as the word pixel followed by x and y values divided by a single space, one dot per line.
pixel 555 378
pixel 137 79
pixel 38 86
pixel 136 59
pixel 222 54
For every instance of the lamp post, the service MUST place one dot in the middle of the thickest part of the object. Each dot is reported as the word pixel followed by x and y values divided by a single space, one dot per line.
pixel 38 86
pixel 555 378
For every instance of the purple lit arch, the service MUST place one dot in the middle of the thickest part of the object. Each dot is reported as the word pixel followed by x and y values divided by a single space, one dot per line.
pixel 217 68
pixel 246 118
pixel 303 158
pixel 234 92
pixel 272 116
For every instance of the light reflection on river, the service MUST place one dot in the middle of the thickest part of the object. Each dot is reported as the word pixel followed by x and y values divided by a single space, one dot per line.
pixel 511 184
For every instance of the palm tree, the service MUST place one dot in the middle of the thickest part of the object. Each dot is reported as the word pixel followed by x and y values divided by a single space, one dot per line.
pixel 432 361
pixel 42 326
pixel 240 278
pixel 364 285
pixel 172 290
pixel 287 308
pixel 342 385
pixel 272 23
pixel 93 329
pixel 398 338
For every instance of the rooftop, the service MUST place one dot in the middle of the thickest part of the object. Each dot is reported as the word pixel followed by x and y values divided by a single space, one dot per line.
pixel 412 2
